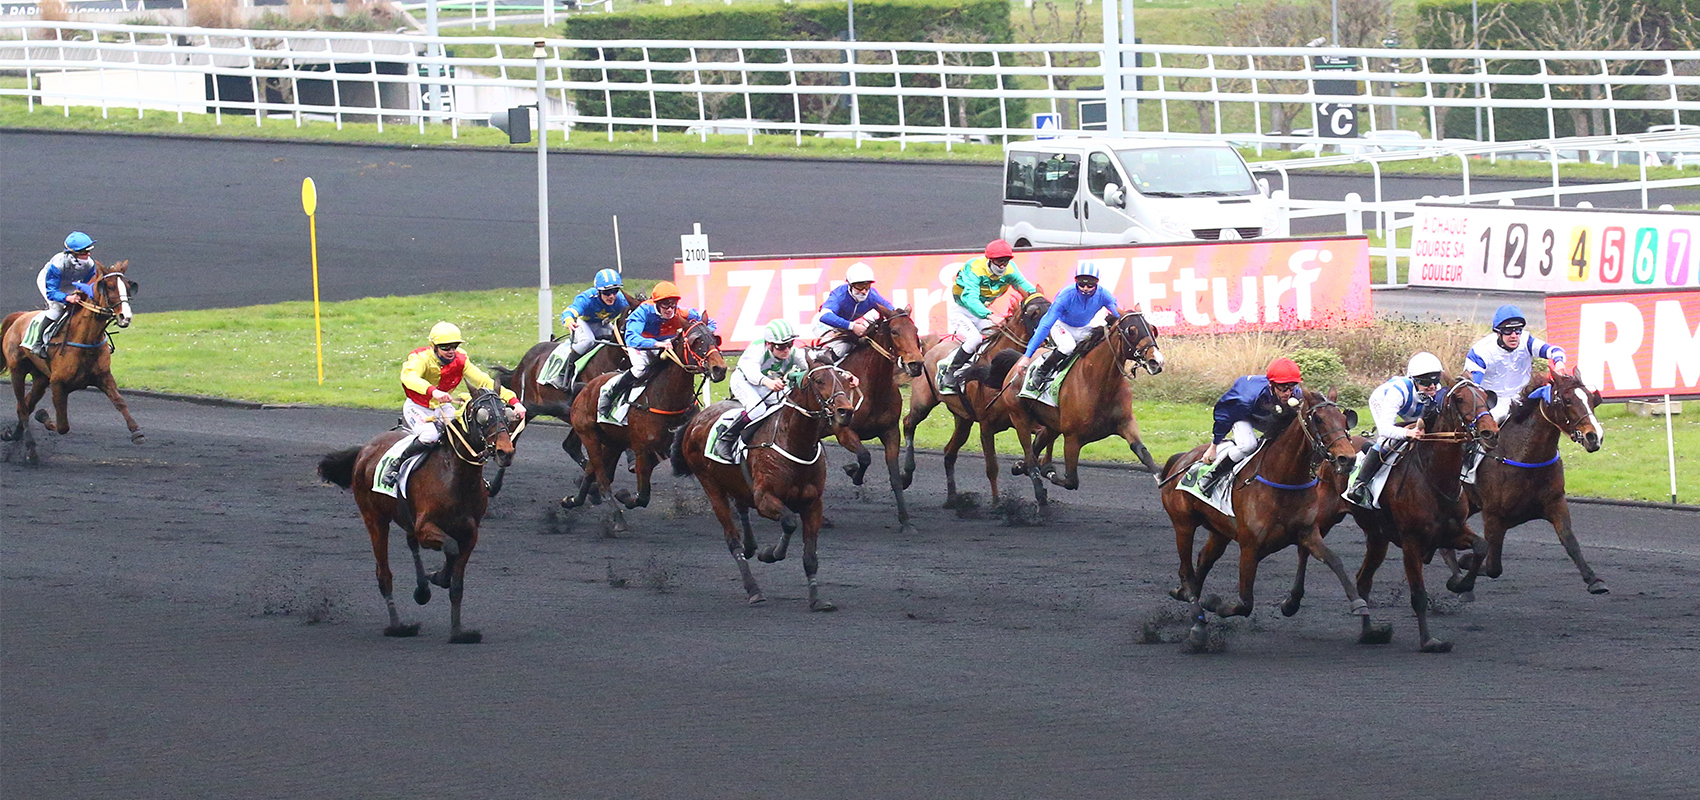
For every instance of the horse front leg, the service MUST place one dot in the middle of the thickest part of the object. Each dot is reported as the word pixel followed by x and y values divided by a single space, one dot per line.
pixel 848 440
pixel 770 506
pixel 1413 559
pixel 740 550
pixel 457 588
pixel 892 441
pixel 28 397
pixel 109 385
pixel 422 588
pixel 1130 431
pixel 1296 595
pixel 811 563
pixel 1312 545
pixel 62 423
pixel 643 466
pixel 921 404
pixel 989 449
pixel 951 449
pixel 1248 581
pixel 1558 513
pixel 1071 463
pixel 1375 551
pixel 1185 530
pixel 378 528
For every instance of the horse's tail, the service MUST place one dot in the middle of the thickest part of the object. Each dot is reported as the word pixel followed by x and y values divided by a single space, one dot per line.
pixel 500 375
pixel 338 467
pixel 676 453
pixel 1169 466
pixel 992 376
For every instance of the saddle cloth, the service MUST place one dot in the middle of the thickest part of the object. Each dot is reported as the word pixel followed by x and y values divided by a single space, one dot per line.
pixel 32 334
pixel 1221 495
pixel 555 366
pixel 1046 392
pixel 1376 484
pixel 717 432
pixel 621 408
pixel 399 488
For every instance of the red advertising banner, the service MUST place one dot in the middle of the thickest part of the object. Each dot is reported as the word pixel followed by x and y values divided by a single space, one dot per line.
pixel 1282 284
pixel 1631 345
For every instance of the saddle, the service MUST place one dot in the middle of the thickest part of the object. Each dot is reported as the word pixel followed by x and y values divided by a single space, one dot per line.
pixel 561 363
pixel 1221 496
pixel 1370 497
pixel 622 406
pixel 1041 385
pixel 398 489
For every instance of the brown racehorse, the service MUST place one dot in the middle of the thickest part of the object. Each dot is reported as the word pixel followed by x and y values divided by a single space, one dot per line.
pixel 1093 402
pixel 446 500
pixel 974 403
pixel 890 344
pixel 666 402
pixel 542 399
pixel 1280 499
pixel 79 357
pixel 1523 479
pixel 786 475
pixel 1423 507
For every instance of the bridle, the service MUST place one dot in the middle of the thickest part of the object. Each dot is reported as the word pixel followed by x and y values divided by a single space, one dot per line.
pixel 1318 447
pixel 460 433
pixel 823 401
pixel 1005 330
pixel 1572 426
pixel 1472 419
pixel 1132 329
pixel 108 314
pixel 684 353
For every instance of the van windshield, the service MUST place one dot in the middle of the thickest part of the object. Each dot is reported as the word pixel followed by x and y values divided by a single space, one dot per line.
pixel 1186 172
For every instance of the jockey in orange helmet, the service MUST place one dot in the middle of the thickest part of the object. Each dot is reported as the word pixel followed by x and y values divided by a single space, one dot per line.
pixel 650 328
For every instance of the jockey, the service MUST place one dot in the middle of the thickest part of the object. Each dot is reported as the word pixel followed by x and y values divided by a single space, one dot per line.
pixel 758 382
pixel 1501 362
pixel 1246 412
pixel 591 317
pixel 1398 407
pixel 1073 314
pixel 848 312
pixel 64 282
pixel 980 283
pixel 649 329
pixel 429 377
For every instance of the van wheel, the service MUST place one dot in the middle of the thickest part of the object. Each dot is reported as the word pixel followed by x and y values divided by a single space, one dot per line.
pixel 1023 243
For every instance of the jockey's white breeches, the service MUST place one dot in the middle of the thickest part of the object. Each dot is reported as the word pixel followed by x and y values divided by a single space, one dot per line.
pixel 969 328
pixel 642 360
pixel 424 422
pixel 586 334
pixel 1241 441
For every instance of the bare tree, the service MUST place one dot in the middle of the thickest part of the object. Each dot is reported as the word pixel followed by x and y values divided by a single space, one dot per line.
pixel 1571 25
pixel 1062 21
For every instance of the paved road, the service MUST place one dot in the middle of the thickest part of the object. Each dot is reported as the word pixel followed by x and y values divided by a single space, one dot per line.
pixel 195 617
pixel 218 223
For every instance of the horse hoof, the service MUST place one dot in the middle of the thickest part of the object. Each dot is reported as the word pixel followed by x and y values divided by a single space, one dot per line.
pixel 1290 606
pixel 571 502
pixel 1467 597
pixel 1018 468
pixel 821 605
pixel 41 416
pixel 422 595
pixel 1360 608
pixel 1377 634
pixel 138 437
pixel 908 530
pixel 1436 646
pixel 1213 603
pixel 757 599
pixel 466 637
pixel 440 578
pixel 1181 594
pixel 402 631
pixel 1462 584
pixel 1197 639
pixel 1598 587
pixel 766 555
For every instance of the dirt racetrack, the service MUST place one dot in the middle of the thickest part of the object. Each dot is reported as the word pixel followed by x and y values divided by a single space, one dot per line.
pixel 196 617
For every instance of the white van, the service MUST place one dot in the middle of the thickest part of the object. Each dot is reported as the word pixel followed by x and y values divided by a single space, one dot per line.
pixel 1135 191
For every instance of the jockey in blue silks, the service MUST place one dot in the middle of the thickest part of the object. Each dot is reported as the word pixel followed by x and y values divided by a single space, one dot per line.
pixel 591 317
pixel 650 328
pixel 848 312
pixel 1074 313
pixel 1247 411
pixel 1503 361
pixel 1398 407
pixel 64 282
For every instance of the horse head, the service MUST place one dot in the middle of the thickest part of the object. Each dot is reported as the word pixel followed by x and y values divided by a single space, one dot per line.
pixel 1136 341
pixel 904 339
pixel 485 419
pixel 1329 428
pixel 1568 403
pixel 1470 407
pixel 825 392
pixel 110 292
pixel 1031 311
pixel 698 350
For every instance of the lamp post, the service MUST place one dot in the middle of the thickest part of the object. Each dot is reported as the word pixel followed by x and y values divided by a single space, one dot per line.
pixel 436 52
pixel 545 295
pixel 1476 44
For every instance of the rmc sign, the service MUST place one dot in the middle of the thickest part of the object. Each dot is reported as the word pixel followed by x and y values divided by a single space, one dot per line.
pixel 1639 345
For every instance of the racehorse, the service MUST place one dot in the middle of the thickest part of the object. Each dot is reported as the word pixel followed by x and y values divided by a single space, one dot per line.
pixel 668 399
pixel 783 474
pixel 1093 401
pixel 1423 507
pixel 1279 499
pixel 974 403
pixel 80 358
pixel 543 399
pixel 1523 479
pixel 445 502
pixel 889 344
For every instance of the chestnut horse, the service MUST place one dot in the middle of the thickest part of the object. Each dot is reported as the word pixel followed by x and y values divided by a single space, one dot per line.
pixel 1093 402
pixel 890 344
pixel 665 403
pixel 445 503
pixel 1522 480
pixel 1423 507
pixel 783 474
pixel 542 399
pixel 974 403
pixel 80 357
pixel 1280 499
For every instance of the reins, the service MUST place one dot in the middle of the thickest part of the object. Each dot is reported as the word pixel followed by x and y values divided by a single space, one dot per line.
pixel 819 415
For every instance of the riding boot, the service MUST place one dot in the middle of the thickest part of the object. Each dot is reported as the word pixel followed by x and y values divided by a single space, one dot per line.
pixel 1216 473
pixel 1049 365
pixel 723 446
pixel 605 405
pixel 1371 465
pixel 48 331
pixel 953 374
pixel 393 472
pixel 565 381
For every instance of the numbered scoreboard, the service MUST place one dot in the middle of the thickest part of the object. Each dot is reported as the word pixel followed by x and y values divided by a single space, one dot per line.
pixel 1513 248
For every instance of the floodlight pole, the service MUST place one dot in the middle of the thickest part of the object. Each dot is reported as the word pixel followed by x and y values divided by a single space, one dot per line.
pixel 435 51
pixel 545 295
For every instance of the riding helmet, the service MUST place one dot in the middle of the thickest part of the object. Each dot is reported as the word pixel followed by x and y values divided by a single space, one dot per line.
pixel 78 241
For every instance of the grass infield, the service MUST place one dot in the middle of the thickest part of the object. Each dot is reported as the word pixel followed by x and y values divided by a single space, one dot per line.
pixel 266 354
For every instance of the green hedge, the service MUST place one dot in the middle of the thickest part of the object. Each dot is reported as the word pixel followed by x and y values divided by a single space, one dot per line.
pixel 876 20
pixel 1531 123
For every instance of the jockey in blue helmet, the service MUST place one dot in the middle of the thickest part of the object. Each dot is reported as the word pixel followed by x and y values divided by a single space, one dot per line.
pixel 1075 312
pixel 592 316
pixel 64 282
pixel 1502 362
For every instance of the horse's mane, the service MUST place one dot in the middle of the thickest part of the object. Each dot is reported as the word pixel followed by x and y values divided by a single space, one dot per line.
pixel 1522 409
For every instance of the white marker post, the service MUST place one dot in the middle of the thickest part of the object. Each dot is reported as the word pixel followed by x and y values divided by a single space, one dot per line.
pixel 310 204
pixel 545 295
pixel 1670 451
pixel 694 253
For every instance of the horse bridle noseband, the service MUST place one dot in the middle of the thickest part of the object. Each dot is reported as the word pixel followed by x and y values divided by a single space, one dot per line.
pixel 690 361
pixel 1573 431
pixel 1141 356
pixel 1472 425
pixel 825 402
pixel 460 440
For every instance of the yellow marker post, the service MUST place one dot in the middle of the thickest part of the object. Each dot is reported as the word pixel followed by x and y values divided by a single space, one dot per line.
pixel 310 204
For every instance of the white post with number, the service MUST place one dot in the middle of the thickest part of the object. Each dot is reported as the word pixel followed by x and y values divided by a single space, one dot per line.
pixel 693 249
pixel 545 294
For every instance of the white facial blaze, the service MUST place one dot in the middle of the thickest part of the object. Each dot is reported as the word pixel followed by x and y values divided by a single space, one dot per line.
pixel 124 301
pixel 1599 430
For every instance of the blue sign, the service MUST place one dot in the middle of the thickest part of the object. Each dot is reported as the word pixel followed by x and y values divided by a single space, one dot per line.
pixel 1050 122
